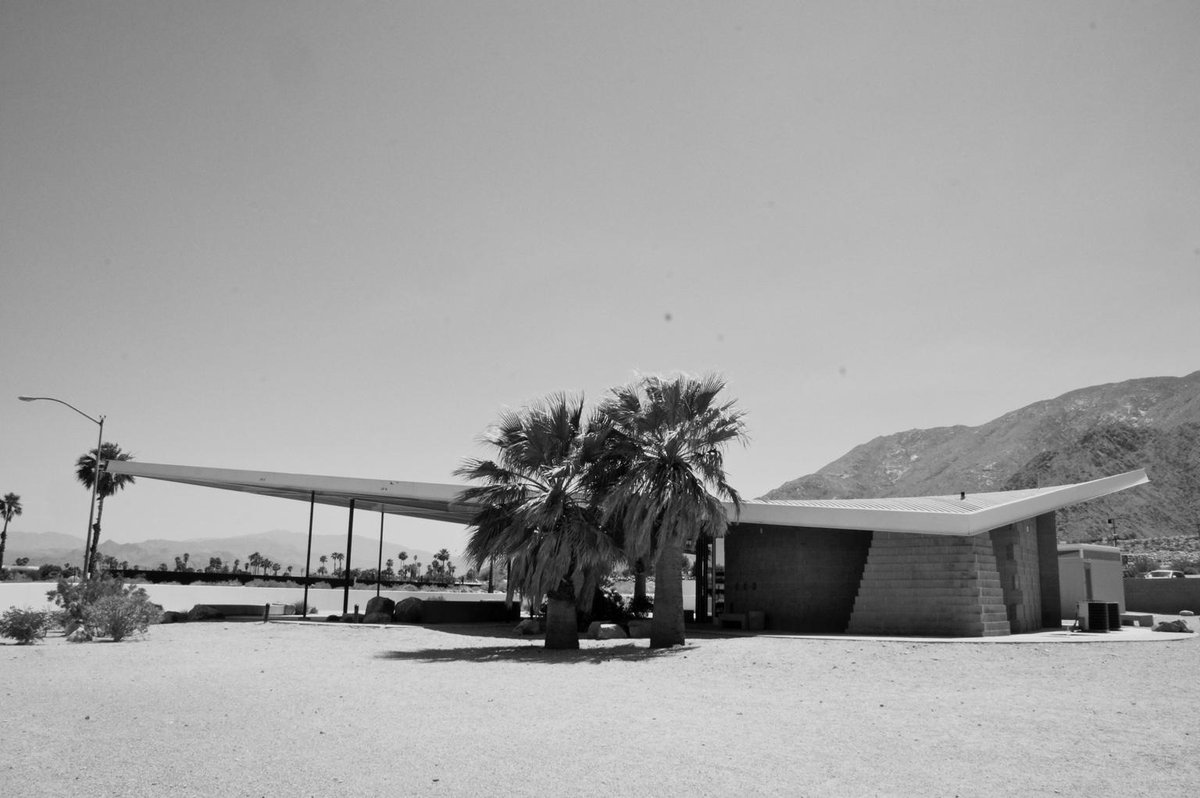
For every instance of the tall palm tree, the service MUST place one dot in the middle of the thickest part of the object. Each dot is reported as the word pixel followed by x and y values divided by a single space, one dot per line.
pixel 668 449
pixel 10 508
pixel 538 507
pixel 108 484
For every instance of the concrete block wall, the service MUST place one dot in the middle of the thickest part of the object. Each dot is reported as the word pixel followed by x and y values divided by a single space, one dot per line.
pixel 1016 550
pixel 930 585
pixel 804 580
pixel 1166 596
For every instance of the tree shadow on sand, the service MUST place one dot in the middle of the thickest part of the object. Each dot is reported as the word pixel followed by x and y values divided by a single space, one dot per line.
pixel 535 651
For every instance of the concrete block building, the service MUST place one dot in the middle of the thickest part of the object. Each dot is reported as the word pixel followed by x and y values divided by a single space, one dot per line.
pixel 969 565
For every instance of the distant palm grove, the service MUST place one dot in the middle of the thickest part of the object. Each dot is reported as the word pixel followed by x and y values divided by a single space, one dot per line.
pixel 570 493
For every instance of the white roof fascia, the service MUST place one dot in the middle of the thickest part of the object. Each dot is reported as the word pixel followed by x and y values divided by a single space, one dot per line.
pixel 854 515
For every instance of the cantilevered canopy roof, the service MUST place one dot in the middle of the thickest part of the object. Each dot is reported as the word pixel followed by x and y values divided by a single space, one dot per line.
pixel 967 514
pixel 931 515
pixel 430 500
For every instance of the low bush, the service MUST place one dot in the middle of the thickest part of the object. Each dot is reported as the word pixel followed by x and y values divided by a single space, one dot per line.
pixel 299 607
pixel 118 616
pixel 75 597
pixel 24 625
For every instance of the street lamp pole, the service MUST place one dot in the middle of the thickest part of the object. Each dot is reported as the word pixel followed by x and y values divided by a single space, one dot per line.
pixel 87 540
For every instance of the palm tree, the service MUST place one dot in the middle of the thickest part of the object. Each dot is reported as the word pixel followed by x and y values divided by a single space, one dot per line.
pixel 538 507
pixel 337 562
pixel 10 508
pixel 254 560
pixel 402 556
pixel 668 451
pixel 323 560
pixel 107 485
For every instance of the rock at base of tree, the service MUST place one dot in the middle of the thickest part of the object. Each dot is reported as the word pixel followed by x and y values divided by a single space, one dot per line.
pixel 381 604
pixel 1186 612
pixel 529 626
pixel 409 610
pixel 203 612
pixel 605 631
pixel 352 617
pixel 639 628
pixel 333 618
pixel 170 616
pixel 377 617
pixel 1172 626
pixel 80 635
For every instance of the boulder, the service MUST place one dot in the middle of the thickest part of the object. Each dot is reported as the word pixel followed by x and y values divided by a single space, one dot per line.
pixel 605 631
pixel 1172 626
pixel 409 610
pixel 203 612
pixel 381 604
pixel 640 628
pixel 80 635
pixel 377 617
pixel 352 617
pixel 333 618
pixel 1186 612
pixel 529 626
pixel 170 616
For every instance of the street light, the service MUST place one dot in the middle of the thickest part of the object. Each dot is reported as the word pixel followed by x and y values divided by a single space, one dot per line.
pixel 87 540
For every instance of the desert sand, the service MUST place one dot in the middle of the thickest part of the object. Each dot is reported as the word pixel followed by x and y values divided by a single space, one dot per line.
pixel 292 709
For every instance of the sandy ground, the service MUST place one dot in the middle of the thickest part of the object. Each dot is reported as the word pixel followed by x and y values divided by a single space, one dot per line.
pixel 252 709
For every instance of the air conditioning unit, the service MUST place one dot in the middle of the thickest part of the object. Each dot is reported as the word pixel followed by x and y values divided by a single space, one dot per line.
pixel 1093 616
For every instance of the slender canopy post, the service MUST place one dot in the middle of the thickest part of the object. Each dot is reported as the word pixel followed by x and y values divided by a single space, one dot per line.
pixel 379 566
pixel 312 503
pixel 87 539
pixel 346 568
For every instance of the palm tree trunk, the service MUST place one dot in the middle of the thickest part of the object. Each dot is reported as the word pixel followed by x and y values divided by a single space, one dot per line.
pixel 3 542
pixel 562 625
pixel 639 583
pixel 91 560
pixel 666 626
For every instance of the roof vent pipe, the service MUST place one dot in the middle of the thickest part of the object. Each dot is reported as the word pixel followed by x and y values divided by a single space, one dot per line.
pixel 962 495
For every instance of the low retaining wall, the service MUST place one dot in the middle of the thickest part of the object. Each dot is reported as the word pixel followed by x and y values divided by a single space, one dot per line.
pixel 1164 596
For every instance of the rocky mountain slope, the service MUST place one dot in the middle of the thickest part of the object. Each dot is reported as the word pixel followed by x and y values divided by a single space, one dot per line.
pixel 1151 423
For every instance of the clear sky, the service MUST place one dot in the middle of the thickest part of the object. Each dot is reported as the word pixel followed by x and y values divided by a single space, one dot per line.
pixel 338 238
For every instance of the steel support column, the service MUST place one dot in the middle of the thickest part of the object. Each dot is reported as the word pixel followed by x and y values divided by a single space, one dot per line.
pixel 312 503
pixel 346 568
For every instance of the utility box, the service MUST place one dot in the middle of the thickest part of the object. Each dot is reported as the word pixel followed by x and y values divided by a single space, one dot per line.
pixel 1089 572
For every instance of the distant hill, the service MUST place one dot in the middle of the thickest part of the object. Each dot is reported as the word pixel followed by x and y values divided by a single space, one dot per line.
pixel 1151 423
pixel 281 546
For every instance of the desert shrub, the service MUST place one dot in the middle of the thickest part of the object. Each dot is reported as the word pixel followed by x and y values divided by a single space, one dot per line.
pixel 49 571
pixel 74 597
pixel 120 615
pixel 640 606
pixel 299 607
pixel 24 625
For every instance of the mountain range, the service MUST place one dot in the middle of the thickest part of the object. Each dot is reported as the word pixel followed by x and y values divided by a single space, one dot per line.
pixel 1151 423
pixel 281 546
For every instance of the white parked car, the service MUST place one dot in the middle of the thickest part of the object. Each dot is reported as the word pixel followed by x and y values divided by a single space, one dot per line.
pixel 1165 574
